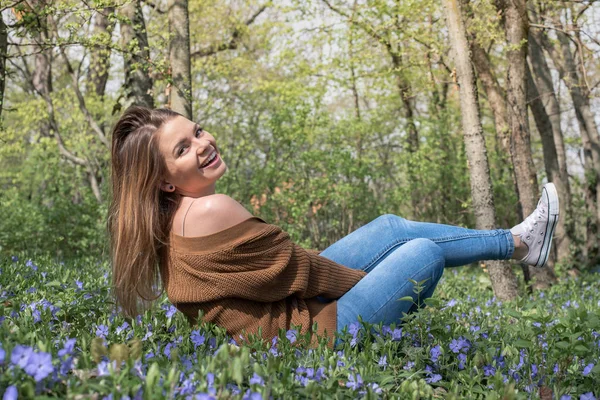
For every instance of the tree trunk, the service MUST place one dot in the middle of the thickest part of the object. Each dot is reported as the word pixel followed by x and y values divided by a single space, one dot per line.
pixel 516 27
pixel 3 50
pixel 495 95
pixel 544 126
pixel 567 70
pixel 412 140
pixel 503 279
pixel 180 96
pixel 138 84
pixel 545 87
pixel 100 55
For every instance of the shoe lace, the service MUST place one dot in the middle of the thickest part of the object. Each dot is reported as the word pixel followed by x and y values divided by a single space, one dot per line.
pixel 532 220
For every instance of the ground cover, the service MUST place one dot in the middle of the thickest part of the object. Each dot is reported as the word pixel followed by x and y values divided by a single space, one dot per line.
pixel 60 337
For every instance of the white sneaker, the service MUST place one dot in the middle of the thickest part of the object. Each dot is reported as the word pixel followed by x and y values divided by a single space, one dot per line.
pixel 537 229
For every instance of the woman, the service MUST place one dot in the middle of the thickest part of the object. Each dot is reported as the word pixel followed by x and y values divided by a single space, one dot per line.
pixel 167 223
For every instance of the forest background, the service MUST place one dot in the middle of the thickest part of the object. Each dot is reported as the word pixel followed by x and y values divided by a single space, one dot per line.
pixel 328 113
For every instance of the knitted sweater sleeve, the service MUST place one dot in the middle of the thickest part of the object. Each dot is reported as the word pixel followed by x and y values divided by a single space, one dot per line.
pixel 266 268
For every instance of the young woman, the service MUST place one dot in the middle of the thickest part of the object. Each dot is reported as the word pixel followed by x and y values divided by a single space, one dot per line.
pixel 168 226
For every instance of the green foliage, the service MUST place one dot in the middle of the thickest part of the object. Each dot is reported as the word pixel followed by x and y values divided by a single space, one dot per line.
pixel 464 344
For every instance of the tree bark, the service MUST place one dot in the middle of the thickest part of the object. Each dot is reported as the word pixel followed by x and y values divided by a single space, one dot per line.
pixel 100 55
pixel 516 26
pixel 545 129
pixel 542 80
pixel 3 50
pixel 503 279
pixel 495 95
pixel 138 84
pixel 180 96
pixel 567 69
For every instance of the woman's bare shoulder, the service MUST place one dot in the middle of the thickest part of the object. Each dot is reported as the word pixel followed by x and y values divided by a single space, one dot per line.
pixel 208 215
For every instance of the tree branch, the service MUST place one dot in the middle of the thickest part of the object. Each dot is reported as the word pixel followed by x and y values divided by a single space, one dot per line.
pixel 233 43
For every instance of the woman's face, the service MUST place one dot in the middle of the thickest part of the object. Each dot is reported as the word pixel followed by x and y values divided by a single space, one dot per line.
pixel 188 152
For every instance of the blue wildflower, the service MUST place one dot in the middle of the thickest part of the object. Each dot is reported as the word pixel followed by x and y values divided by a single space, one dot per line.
pixel 11 393
pixel 383 361
pixel 123 327
pixel 79 284
pixel 588 369
pixel 462 358
pixel 31 265
pixel 587 396
pixel 409 365
pixel 354 383
pixel 2 355
pixel 39 365
pixel 68 347
pixel 102 331
pixel 20 355
pixel 196 338
pixel 565 397
pixel 433 378
pixel 14 258
pixel 291 335
pixel 397 334
pixel 257 379
pixel 171 311
pixel 489 370
pixel 435 353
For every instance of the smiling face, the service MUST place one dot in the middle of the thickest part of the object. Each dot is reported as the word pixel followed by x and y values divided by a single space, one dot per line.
pixel 192 158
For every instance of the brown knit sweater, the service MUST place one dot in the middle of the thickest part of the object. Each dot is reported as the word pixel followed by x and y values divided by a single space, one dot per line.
pixel 252 275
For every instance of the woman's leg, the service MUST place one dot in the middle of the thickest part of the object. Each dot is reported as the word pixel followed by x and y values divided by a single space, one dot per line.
pixel 375 297
pixel 370 244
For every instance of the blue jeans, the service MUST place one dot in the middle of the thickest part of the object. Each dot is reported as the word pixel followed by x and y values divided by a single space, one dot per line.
pixel 393 250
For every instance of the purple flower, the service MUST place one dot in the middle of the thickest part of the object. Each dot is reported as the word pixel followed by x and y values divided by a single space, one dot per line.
pixel 354 383
pixel 20 355
pixel 383 361
pixel 397 334
pixel 409 365
pixel 102 331
pixel 31 265
pixel 565 397
pixel 451 303
pixel 257 379
pixel 197 339
pixel 489 370
pixel 171 311
pixel 587 396
pixel 39 365
pixel 291 335
pixel 252 396
pixel 588 369
pixel 2 355
pixel 11 393
pixel 79 284
pixel 435 353
pixel 14 258
pixel 68 347
pixel 123 327
pixel 433 378
pixel 462 358
pixel 66 366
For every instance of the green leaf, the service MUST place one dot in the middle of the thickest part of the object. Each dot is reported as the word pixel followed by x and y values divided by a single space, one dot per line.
pixel 523 343
pixel 406 298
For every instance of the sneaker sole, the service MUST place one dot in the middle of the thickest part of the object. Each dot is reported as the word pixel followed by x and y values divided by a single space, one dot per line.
pixel 553 211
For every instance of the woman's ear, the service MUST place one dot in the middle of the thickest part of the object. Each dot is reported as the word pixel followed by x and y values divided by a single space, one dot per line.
pixel 167 187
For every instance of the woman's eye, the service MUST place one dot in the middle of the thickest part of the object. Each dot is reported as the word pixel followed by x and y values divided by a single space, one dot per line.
pixel 181 149
pixel 199 131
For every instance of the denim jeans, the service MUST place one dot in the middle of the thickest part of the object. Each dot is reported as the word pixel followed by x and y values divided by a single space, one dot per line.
pixel 393 250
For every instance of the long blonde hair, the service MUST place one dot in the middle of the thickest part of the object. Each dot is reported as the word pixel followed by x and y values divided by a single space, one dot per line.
pixel 140 213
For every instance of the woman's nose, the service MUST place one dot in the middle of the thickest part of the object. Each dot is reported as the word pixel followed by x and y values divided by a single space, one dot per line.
pixel 203 144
